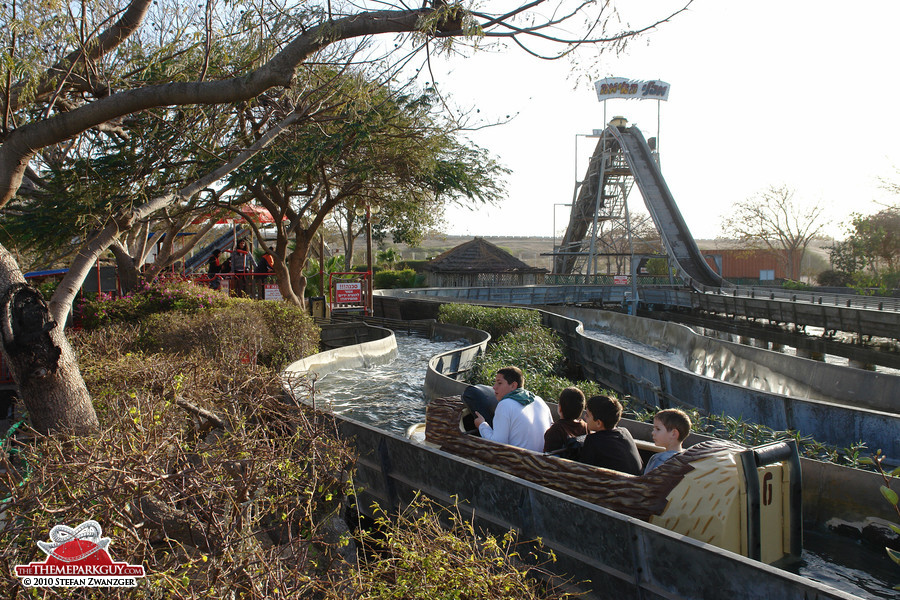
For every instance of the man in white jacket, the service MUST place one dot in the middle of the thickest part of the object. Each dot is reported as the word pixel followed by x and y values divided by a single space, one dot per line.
pixel 521 417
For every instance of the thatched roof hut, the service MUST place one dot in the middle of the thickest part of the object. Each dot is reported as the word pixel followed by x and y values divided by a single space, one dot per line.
pixel 479 263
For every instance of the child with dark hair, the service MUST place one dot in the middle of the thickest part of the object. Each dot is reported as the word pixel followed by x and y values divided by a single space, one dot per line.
pixel 670 427
pixel 609 446
pixel 570 406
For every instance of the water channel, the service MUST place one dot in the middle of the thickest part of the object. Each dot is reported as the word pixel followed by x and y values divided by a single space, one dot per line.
pixel 792 351
pixel 391 397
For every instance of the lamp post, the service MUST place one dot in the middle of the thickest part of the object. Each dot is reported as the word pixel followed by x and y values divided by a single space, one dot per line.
pixel 555 248
pixel 370 212
pixel 596 133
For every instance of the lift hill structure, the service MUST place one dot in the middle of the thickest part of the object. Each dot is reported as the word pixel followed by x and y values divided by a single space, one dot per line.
pixel 622 159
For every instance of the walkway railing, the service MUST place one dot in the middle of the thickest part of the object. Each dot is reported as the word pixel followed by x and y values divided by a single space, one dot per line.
pixel 811 297
pixel 863 315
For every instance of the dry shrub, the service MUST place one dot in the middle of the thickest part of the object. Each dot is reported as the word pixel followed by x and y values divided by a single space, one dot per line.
pixel 208 479
pixel 269 333
pixel 431 552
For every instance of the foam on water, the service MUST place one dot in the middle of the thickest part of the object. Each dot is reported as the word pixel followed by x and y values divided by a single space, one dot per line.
pixel 391 396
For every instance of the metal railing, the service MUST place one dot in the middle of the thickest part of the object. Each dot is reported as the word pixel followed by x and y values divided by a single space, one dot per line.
pixel 808 296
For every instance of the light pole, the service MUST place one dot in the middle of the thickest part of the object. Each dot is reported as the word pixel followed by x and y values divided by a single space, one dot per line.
pixel 370 212
pixel 596 133
pixel 555 248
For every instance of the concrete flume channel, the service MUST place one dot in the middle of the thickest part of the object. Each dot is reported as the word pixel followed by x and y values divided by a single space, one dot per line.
pixel 868 410
pixel 634 558
pixel 833 404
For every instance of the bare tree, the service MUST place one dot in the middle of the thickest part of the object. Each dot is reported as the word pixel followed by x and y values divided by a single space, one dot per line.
pixel 774 220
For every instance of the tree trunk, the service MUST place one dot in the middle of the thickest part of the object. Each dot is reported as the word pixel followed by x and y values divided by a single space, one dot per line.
pixel 40 358
pixel 348 247
pixel 126 269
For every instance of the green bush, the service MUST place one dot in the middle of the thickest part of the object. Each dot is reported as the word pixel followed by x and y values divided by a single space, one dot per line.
pixel 548 387
pixel 790 284
pixel 47 287
pixel 496 321
pixel 658 267
pixel 416 265
pixel 365 268
pixel 429 552
pixel 833 278
pixel 155 298
pixel 535 350
pixel 393 280
pixel 295 334
pixel 891 279
pixel 518 340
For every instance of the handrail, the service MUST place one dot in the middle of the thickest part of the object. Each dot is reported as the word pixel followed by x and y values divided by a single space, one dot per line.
pixel 881 303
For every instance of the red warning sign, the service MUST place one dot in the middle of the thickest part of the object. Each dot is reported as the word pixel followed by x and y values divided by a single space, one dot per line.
pixel 349 292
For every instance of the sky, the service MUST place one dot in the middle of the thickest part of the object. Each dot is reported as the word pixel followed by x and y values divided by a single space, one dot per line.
pixel 762 93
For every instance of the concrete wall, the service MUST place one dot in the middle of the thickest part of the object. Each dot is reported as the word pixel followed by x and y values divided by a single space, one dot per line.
pixel 747 366
pixel 445 371
pixel 661 385
pixel 380 348
pixel 338 335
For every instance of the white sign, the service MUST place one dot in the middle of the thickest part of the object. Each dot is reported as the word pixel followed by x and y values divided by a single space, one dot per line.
pixel 348 292
pixel 620 87
pixel 620 279
pixel 272 292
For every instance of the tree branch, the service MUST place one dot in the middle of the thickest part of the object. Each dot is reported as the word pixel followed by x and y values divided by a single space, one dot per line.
pixel 61 302
pixel 22 143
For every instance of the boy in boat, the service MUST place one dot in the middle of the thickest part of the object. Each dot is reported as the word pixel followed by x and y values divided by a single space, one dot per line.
pixel 521 418
pixel 609 446
pixel 670 427
pixel 569 407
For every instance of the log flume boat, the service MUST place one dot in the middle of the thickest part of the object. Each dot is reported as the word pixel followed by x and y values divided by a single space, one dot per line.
pixel 743 500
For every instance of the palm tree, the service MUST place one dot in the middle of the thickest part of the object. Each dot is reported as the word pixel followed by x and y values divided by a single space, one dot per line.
pixel 388 258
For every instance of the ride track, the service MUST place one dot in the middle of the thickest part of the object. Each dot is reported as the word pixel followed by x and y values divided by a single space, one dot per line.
pixel 620 154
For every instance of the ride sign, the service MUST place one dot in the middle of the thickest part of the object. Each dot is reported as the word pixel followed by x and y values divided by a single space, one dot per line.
pixel 348 292
pixel 621 87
